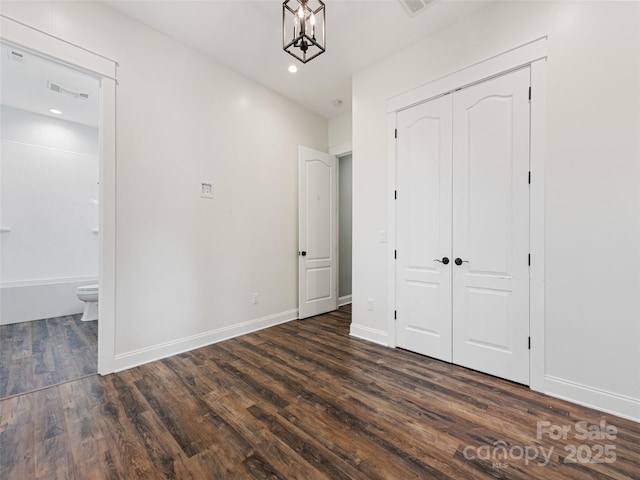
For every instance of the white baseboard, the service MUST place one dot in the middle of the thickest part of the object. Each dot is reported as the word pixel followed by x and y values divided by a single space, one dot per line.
pixel 371 334
pixel 346 300
pixel 609 402
pixel 127 360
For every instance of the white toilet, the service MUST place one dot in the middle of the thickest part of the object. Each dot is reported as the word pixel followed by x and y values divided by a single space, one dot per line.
pixel 89 295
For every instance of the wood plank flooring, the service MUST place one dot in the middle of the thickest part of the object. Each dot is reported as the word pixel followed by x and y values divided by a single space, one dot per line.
pixel 46 352
pixel 303 400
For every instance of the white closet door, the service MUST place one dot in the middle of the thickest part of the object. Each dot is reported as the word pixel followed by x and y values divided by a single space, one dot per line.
pixel 318 228
pixel 491 226
pixel 423 229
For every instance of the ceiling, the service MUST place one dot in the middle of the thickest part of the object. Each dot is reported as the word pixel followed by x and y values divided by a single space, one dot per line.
pixel 246 36
pixel 24 80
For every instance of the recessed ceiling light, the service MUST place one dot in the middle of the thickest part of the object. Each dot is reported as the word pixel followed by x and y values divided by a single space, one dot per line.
pixel 293 68
pixel 56 111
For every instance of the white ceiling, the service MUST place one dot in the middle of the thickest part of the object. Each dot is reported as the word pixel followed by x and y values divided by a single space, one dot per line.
pixel 246 36
pixel 24 85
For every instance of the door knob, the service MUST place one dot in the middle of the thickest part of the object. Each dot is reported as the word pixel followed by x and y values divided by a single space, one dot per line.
pixel 444 260
pixel 459 261
pixel 303 253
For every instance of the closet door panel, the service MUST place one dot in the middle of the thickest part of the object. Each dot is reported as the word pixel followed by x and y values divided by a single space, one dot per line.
pixel 491 226
pixel 423 229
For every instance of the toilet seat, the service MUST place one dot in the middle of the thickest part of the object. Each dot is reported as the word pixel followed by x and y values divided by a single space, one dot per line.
pixel 88 289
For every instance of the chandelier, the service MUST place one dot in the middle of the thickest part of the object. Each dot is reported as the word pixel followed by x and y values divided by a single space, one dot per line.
pixel 303 28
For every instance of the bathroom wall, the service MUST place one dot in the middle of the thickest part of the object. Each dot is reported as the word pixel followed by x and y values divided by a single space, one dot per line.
pixel 49 194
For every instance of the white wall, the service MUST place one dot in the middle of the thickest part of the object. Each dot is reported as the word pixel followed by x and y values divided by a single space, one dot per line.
pixel 186 267
pixel 592 219
pixel 49 186
pixel 340 133
pixel 49 132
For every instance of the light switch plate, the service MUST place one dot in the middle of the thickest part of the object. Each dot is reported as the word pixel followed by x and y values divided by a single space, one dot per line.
pixel 370 304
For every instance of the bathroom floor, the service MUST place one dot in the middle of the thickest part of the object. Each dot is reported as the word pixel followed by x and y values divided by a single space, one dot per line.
pixel 46 352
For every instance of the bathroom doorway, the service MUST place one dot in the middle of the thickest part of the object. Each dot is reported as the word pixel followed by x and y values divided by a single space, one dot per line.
pixel 49 221
pixel 345 201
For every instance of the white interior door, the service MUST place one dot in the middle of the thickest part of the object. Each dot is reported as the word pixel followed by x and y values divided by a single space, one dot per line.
pixel 423 229
pixel 491 226
pixel 318 236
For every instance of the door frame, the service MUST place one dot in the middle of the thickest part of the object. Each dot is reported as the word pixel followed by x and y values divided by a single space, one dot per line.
pixel 533 54
pixel 52 48
pixel 340 151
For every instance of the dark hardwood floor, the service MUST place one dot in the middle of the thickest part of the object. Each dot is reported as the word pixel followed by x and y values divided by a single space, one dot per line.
pixel 46 352
pixel 303 400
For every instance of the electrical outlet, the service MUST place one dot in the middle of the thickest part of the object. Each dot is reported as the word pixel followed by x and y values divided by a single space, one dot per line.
pixel 206 190
pixel 370 304
pixel 256 299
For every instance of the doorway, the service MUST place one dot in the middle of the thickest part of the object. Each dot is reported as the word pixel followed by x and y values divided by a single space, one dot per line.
pixel 50 221
pixel 345 208
pixel 51 48
pixel 324 239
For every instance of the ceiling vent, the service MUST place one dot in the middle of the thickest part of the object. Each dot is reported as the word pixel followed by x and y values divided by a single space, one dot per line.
pixel 67 92
pixel 413 7
pixel 16 56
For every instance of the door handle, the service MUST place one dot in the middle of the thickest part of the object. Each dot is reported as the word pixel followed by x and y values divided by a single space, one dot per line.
pixel 303 253
pixel 444 260
pixel 459 261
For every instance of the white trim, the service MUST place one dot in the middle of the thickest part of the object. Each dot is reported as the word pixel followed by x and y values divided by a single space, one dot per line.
pixel 533 54
pixel 51 149
pixel 499 64
pixel 45 45
pixel 610 402
pixel 156 352
pixel 48 281
pixel 536 224
pixel 346 300
pixel 341 150
pixel 107 229
pixel 370 334
pixel 391 228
